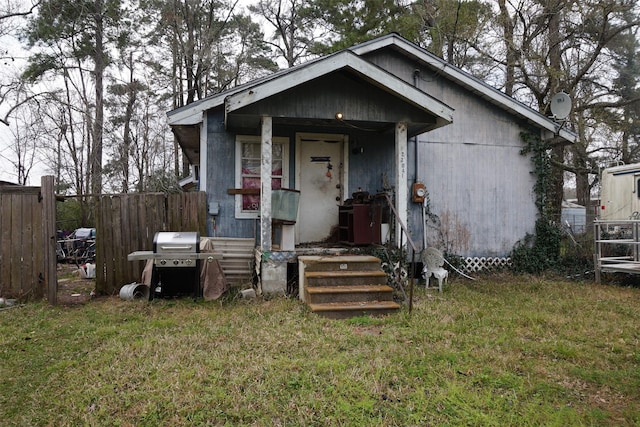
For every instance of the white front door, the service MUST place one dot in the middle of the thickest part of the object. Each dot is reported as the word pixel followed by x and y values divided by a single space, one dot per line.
pixel 320 166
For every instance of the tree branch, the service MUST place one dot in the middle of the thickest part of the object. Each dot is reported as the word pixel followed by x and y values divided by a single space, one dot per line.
pixel 5 120
pixel 17 14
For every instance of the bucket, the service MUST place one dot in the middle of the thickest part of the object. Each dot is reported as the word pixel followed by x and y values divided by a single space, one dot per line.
pixel 134 291
pixel 91 271
pixel 384 233
pixel 248 293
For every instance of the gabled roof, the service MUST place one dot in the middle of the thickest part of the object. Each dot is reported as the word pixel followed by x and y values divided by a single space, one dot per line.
pixel 186 120
pixel 261 89
pixel 465 80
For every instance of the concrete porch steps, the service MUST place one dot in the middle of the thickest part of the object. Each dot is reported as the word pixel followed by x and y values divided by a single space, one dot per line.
pixel 345 286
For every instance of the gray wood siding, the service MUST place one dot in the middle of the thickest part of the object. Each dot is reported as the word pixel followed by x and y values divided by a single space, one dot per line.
pixel 220 177
pixel 366 170
pixel 339 92
pixel 483 191
pixel 479 184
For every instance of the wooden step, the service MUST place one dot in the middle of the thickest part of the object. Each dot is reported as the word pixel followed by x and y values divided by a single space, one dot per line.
pixel 344 278
pixel 348 289
pixel 344 286
pixel 340 262
pixel 345 310
pixel 355 293
pixel 323 274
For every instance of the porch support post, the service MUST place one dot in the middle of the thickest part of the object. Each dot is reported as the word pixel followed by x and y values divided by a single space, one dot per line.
pixel 202 179
pixel 402 191
pixel 265 184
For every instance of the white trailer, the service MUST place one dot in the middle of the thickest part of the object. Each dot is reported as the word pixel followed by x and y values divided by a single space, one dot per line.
pixel 620 193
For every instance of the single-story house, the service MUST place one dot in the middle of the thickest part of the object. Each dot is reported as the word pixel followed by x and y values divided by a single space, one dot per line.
pixel 382 117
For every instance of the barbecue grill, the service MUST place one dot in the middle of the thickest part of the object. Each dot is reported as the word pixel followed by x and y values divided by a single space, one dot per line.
pixel 176 264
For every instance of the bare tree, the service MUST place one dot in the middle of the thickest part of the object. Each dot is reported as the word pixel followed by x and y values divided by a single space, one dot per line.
pixel 123 108
pixel 295 27
pixel 192 30
pixel 562 45
pixel 12 94
pixel 76 30
pixel 507 24
pixel 455 30
pixel 28 132
pixel 205 38
pixel 212 47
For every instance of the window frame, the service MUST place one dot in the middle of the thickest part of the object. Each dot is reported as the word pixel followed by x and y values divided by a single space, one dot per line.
pixel 240 213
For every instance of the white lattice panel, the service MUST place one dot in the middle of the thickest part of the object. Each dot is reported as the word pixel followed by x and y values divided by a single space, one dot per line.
pixel 476 264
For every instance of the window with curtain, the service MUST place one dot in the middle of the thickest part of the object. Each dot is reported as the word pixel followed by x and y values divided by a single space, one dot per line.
pixel 248 151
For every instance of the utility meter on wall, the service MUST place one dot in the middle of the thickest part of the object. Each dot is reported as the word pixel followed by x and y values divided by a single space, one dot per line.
pixel 419 192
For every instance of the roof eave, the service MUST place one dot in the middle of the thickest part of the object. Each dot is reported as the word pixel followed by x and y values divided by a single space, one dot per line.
pixel 473 84
pixel 193 113
pixel 341 60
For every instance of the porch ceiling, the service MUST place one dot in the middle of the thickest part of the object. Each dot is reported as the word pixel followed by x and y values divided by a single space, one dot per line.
pixel 250 124
pixel 188 136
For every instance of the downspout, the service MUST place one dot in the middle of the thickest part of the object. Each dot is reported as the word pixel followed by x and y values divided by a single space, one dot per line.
pixel 416 74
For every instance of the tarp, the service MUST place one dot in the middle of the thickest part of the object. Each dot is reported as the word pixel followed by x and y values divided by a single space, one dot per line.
pixel 212 280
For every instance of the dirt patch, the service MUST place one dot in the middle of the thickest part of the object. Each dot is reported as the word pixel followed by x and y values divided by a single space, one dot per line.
pixel 72 287
pixel 368 330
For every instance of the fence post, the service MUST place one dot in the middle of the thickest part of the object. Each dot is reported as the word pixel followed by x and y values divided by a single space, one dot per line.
pixel 597 253
pixel 49 237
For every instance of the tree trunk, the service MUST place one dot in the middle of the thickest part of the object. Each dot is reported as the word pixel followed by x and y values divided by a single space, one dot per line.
pixel 132 92
pixel 557 152
pixel 100 64
pixel 511 56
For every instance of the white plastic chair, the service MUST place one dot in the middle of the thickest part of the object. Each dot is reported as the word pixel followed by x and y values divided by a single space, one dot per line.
pixel 433 261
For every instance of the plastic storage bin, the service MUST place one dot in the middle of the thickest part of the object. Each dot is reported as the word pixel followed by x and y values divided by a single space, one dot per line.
pixel 284 205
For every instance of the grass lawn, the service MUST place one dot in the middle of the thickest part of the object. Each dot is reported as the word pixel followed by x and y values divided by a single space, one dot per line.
pixel 504 350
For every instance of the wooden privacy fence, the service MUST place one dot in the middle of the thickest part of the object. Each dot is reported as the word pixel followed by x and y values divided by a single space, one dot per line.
pixel 128 223
pixel 28 241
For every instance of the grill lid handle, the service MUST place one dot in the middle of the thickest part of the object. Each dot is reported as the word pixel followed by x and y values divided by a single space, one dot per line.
pixel 175 247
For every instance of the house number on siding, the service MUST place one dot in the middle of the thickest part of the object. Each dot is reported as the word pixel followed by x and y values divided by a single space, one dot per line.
pixel 343 266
